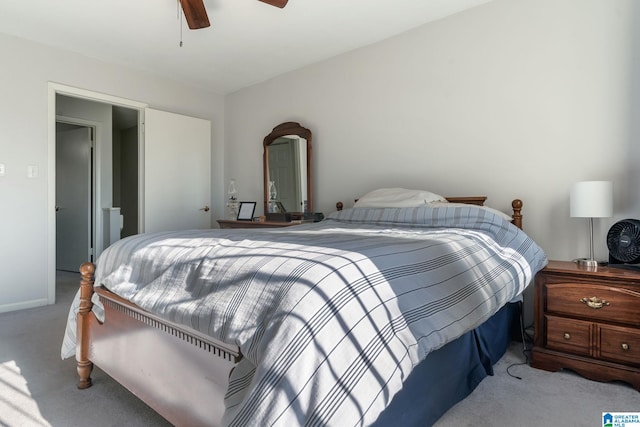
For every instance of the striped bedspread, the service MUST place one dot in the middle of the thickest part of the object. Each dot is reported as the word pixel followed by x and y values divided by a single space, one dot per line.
pixel 332 316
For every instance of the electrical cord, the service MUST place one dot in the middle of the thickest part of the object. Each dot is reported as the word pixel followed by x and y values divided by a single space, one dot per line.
pixel 525 353
pixel 526 338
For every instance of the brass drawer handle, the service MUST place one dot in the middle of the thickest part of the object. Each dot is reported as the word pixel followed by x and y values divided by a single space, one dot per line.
pixel 567 336
pixel 594 302
pixel 625 346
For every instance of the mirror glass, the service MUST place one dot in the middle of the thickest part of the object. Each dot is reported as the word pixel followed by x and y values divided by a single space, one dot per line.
pixel 287 169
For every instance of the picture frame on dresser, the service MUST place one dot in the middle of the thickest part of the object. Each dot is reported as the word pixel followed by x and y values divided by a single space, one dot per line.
pixel 246 210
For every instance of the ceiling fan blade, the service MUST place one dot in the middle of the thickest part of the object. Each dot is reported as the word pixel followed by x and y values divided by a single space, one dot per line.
pixel 195 14
pixel 276 3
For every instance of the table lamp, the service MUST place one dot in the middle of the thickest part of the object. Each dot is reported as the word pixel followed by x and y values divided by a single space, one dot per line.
pixel 591 199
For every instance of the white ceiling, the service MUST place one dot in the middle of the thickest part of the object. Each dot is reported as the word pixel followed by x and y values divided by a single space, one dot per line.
pixel 247 43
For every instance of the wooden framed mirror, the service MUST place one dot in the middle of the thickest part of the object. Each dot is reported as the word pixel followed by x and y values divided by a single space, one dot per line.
pixel 287 163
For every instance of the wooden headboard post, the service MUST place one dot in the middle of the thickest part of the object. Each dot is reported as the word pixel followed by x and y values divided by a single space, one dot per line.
pixel 516 205
pixel 517 215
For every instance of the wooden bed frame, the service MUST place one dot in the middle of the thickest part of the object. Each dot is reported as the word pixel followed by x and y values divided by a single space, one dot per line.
pixel 516 205
pixel 179 372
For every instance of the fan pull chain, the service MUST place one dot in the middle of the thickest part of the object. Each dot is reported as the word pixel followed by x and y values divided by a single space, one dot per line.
pixel 179 3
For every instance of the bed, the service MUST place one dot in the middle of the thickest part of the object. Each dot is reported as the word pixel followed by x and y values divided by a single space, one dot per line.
pixel 334 327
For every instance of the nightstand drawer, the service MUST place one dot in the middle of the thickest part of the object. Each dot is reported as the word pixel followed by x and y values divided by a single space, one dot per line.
pixel 620 344
pixel 568 335
pixel 596 302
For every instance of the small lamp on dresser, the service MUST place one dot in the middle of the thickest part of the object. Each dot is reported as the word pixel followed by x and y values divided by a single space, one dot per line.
pixel 591 199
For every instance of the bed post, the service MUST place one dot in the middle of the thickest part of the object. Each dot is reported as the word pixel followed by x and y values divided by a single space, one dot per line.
pixel 517 215
pixel 82 334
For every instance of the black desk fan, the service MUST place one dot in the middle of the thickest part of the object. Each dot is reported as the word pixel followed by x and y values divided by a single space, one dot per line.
pixel 623 241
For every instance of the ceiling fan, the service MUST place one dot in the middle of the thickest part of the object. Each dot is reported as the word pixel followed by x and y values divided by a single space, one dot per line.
pixel 196 14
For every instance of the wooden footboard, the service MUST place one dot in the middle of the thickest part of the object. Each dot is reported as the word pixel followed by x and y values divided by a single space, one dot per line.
pixel 180 373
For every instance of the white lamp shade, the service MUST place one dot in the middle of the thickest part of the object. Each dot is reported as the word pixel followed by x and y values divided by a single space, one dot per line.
pixel 592 199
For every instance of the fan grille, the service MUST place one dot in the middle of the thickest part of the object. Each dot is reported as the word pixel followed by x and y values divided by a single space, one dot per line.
pixel 623 241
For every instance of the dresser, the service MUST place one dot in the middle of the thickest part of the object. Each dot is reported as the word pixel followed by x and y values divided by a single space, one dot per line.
pixel 588 321
pixel 227 223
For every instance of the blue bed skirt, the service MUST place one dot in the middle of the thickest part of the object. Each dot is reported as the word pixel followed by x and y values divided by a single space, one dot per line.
pixel 451 373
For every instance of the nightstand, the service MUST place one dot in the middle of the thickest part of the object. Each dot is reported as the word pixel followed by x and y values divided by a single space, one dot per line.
pixel 227 223
pixel 588 321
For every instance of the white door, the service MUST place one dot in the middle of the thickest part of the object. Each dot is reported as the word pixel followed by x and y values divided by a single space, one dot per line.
pixel 177 172
pixel 73 198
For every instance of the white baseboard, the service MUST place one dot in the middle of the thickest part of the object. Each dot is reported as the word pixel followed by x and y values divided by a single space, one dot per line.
pixel 4 308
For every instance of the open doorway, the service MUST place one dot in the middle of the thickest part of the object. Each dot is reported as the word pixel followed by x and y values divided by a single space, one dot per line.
pixel 97 178
pixel 87 108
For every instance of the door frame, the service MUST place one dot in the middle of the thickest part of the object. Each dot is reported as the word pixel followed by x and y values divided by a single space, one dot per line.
pixel 54 89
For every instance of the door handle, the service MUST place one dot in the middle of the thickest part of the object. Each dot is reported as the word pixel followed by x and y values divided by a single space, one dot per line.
pixel 206 209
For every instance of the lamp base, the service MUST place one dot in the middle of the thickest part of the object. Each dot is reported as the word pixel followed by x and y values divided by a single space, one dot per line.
pixel 587 263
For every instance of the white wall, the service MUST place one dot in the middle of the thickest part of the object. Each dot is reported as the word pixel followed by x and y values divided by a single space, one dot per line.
pixel 26 70
pixel 512 99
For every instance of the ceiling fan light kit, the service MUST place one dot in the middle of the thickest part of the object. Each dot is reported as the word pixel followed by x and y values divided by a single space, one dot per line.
pixel 196 14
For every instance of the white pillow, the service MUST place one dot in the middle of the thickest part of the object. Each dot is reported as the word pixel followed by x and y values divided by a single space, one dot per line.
pixel 397 198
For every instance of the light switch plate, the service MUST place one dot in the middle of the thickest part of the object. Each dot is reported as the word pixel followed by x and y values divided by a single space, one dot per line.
pixel 32 171
pixel 1 169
